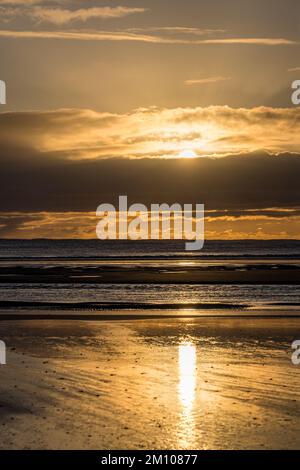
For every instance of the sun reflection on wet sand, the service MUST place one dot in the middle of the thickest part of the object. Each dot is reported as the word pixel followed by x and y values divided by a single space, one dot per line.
pixel 187 364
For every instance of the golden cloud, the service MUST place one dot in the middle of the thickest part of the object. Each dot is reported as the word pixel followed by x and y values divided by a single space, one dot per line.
pixel 153 132
pixel 60 16
pixel 146 38
pixel 82 225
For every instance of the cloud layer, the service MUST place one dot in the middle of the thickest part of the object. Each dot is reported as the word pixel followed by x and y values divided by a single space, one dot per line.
pixel 204 81
pixel 146 38
pixel 35 181
pixel 79 134
pixel 82 225
pixel 60 16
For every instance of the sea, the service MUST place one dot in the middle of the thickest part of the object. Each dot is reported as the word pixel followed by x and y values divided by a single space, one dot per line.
pixel 42 256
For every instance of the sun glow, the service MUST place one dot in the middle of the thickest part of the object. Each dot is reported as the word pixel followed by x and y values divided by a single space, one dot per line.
pixel 188 153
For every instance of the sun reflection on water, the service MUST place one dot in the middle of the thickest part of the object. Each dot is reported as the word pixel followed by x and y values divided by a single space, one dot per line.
pixel 187 363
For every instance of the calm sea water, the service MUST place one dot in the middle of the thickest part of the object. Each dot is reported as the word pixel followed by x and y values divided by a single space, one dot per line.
pixel 161 254
pixel 96 249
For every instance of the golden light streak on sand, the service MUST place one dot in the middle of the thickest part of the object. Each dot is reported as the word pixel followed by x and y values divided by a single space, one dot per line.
pixel 187 366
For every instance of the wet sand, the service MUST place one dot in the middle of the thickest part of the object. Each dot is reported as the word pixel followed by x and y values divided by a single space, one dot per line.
pixel 177 383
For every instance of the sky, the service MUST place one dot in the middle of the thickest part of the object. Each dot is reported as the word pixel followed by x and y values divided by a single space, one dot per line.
pixel 111 97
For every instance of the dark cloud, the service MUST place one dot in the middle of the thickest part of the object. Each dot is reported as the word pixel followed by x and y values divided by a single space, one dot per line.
pixel 33 181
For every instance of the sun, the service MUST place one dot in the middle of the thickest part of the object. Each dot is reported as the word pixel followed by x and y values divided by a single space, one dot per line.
pixel 188 153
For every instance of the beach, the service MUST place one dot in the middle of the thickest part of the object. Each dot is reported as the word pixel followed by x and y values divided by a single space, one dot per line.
pixel 163 383
pixel 144 346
